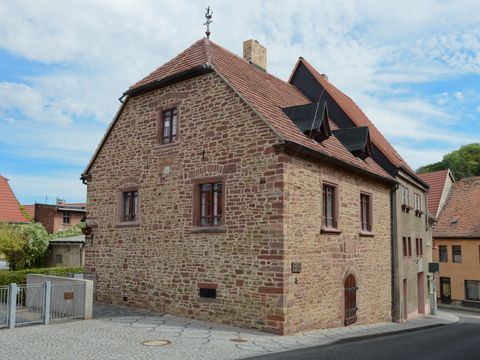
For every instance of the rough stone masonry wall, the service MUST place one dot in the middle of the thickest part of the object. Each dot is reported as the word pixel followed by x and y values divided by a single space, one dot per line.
pixel 161 263
pixel 317 299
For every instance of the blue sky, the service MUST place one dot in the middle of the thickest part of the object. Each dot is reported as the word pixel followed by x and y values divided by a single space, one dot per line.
pixel 413 68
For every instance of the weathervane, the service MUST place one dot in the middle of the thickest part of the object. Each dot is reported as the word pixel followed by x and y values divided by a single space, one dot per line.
pixel 208 16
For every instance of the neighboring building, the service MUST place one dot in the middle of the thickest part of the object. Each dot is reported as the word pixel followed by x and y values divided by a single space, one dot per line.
pixel 58 217
pixel 10 208
pixel 68 251
pixel 440 184
pixel 221 192
pixel 457 244
pixel 411 227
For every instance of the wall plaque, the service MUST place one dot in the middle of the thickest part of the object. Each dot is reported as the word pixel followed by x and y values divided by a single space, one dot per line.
pixel 68 295
pixel 296 267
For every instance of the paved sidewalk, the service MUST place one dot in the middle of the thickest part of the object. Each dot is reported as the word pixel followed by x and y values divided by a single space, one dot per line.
pixel 118 332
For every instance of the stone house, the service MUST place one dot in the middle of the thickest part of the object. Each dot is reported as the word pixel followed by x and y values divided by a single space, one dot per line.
pixel 61 216
pixel 411 233
pixel 456 235
pixel 221 192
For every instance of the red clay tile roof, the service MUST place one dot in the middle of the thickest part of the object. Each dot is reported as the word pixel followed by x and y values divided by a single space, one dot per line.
pixel 460 216
pixel 436 180
pixel 30 209
pixel 357 116
pixel 9 205
pixel 264 92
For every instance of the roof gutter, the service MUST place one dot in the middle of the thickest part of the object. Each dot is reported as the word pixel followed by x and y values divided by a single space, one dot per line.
pixel 300 149
pixel 168 80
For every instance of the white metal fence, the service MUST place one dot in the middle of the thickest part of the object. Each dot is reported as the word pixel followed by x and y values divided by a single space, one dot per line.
pixel 40 303
pixel 3 306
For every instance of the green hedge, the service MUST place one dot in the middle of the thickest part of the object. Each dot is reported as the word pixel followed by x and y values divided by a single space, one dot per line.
pixel 20 276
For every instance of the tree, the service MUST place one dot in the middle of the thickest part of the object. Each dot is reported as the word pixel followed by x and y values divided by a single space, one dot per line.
pixel 24 245
pixel 463 162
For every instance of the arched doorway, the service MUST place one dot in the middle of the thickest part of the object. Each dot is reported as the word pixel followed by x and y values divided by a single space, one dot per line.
pixel 350 300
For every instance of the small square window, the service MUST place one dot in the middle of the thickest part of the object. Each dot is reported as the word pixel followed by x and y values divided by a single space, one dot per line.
pixel 456 253
pixel 208 293
pixel 443 253
pixel 472 290
pixel 130 206
pixel 169 126
pixel 366 212
pixel 66 217
pixel 208 203
pixel 330 206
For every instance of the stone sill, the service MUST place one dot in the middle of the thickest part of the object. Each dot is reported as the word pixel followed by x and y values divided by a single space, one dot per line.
pixel 366 234
pixel 164 146
pixel 208 229
pixel 128 224
pixel 208 300
pixel 331 231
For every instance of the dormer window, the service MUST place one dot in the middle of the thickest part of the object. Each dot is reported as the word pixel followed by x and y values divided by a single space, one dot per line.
pixel 311 119
pixel 356 140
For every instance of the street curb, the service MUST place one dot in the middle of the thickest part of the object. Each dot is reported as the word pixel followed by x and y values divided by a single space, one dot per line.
pixel 355 338
pixel 389 333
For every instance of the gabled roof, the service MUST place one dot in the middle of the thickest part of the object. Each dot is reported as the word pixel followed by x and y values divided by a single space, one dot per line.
pixel 460 216
pixel 9 205
pixel 356 115
pixel 30 209
pixel 266 94
pixel 436 180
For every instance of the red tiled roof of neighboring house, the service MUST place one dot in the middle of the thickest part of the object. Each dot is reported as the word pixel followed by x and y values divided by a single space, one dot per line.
pixel 30 209
pixel 264 92
pixel 357 116
pixel 436 180
pixel 460 216
pixel 9 205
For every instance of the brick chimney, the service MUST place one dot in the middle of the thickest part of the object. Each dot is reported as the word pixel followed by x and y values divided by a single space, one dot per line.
pixel 255 54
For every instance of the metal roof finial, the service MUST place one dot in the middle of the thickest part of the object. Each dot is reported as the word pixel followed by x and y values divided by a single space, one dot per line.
pixel 208 16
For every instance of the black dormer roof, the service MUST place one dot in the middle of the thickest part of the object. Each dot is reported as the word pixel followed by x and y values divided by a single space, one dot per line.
pixel 311 119
pixel 356 140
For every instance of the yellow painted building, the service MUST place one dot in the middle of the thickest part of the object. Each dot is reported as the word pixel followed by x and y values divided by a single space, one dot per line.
pixel 459 277
pixel 457 244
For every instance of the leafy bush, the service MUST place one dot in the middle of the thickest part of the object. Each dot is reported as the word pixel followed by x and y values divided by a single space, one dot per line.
pixel 76 230
pixel 24 245
pixel 20 276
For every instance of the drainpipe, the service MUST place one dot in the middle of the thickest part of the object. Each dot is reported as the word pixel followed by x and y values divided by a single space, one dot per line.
pixel 395 279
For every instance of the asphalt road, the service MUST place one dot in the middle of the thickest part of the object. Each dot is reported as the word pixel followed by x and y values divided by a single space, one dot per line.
pixel 460 341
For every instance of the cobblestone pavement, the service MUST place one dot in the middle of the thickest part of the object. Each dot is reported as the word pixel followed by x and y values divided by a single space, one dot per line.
pixel 120 333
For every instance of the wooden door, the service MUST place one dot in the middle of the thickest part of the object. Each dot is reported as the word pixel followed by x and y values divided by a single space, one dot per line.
pixel 350 300
pixel 445 290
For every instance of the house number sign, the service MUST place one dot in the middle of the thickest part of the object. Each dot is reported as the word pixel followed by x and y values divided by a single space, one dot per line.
pixel 68 295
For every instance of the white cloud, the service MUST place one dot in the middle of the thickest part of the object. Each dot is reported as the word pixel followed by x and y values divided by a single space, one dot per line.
pixel 30 189
pixel 373 50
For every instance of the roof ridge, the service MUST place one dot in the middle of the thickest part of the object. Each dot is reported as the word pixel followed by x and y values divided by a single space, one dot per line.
pixel 173 60
pixel 253 67
pixel 332 89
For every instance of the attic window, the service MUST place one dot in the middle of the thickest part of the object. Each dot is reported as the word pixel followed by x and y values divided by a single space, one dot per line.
pixel 311 119
pixel 356 140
